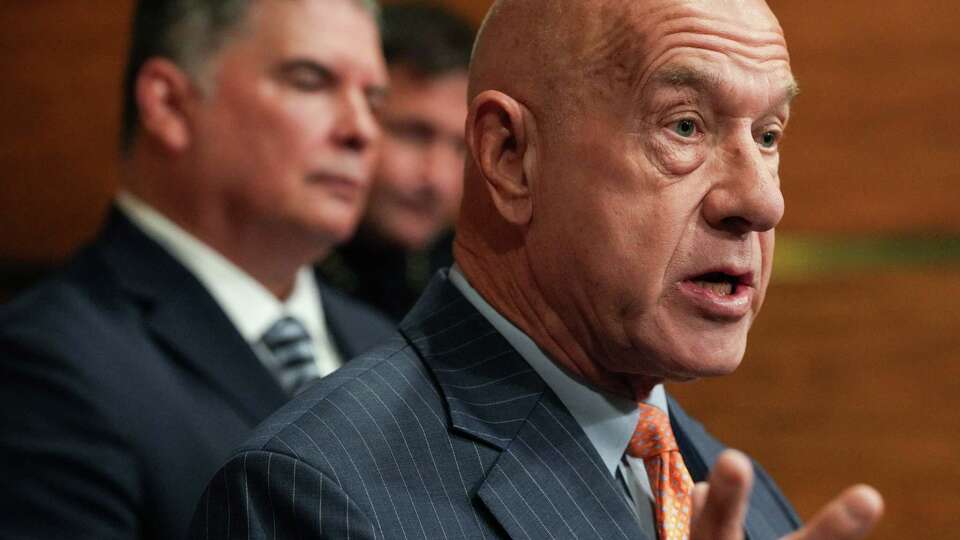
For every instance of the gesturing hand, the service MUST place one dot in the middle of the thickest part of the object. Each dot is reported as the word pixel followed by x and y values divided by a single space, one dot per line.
pixel 720 506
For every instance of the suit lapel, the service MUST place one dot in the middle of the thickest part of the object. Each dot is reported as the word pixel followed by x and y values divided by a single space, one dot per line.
pixel 351 335
pixel 700 452
pixel 187 322
pixel 548 481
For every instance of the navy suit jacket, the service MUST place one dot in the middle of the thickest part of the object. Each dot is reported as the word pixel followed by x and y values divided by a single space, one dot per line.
pixel 444 432
pixel 123 386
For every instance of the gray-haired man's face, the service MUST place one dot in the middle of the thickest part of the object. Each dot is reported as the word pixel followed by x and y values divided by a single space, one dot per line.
pixel 288 137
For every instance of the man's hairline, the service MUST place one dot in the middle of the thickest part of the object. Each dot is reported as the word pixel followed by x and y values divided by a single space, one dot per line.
pixel 201 70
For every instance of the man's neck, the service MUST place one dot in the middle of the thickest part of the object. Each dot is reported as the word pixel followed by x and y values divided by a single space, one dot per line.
pixel 513 293
pixel 365 244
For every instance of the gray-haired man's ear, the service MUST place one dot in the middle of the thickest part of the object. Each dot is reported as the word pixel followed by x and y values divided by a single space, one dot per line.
pixel 163 91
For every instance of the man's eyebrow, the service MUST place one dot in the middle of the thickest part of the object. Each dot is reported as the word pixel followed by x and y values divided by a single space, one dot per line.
pixel 298 63
pixel 793 90
pixel 687 77
pixel 682 76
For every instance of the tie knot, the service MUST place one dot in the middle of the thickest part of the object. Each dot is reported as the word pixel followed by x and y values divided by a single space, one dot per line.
pixel 653 435
pixel 292 361
pixel 284 332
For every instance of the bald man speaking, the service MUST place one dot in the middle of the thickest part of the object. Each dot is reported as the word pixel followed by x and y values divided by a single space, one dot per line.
pixel 616 232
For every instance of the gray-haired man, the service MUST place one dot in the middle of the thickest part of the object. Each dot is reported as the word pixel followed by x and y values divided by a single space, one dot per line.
pixel 249 142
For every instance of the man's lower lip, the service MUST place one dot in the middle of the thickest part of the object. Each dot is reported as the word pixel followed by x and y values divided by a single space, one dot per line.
pixel 732 307
pixel 343 187
pixel 417 206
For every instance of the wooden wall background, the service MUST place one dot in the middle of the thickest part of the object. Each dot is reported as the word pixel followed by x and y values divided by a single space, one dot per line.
pixel 851 376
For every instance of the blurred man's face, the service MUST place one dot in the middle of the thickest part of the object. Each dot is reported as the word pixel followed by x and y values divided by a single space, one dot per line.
pixel 287 138
pixel 654 216
pixel 419 180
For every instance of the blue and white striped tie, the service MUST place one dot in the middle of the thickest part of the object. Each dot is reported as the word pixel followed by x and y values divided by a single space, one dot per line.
pixel 292 359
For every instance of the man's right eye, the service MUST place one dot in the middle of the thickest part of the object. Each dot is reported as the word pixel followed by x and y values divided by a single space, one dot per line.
pixel 412 132
pixel 685 127
pixel 307 76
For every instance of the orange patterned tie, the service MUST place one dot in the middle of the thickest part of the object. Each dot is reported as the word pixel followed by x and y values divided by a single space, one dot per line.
pixel 672 486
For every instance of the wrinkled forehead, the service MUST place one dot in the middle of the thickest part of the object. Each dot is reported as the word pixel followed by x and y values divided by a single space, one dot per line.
pixel 563 58
pixel 628 40
pixel 736 19
pixel 745 28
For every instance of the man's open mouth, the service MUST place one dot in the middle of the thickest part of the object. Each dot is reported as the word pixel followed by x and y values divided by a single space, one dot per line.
pixel 720 283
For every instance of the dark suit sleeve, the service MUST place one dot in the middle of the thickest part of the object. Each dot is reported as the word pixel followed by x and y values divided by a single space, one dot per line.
pixel 261 494
pixel 784 512
pixel 64 470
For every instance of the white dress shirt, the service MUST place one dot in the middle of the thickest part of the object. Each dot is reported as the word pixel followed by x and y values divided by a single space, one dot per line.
pixel 248 305
pixel 608 420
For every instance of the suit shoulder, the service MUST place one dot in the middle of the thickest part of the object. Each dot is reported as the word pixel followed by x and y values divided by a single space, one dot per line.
pixel 387 385
pixel 66 307
pixel 76 332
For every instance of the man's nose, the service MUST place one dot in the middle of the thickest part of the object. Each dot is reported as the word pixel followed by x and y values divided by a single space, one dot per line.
pixel 746 193
pixel 356 127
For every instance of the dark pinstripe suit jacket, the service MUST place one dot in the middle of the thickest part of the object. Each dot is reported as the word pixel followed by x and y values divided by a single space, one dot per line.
pixel 445 432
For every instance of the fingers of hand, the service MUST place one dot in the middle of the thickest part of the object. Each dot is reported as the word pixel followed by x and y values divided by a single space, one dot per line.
pixel 700 491
pixel 724 502
pixel 850 516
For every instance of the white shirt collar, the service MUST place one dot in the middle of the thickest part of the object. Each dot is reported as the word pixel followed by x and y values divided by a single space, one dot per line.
pixel 607 420
pixel 249 305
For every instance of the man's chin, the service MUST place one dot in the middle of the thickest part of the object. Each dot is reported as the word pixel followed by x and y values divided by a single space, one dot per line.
pixel 702 367
pixel 707 351
pixel 414 238
pixel 332 232
pixel 689 364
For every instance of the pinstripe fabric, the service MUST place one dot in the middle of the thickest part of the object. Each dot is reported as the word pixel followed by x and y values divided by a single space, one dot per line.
pixel 444 432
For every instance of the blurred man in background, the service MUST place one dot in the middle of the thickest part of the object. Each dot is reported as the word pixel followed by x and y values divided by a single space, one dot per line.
pixel 248 147
pixel 405 235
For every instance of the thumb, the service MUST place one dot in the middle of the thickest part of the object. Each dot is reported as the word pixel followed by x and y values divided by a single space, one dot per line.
pixel 850 516
pixel 721 515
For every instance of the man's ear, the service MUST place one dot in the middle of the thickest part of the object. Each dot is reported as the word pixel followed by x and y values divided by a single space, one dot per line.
pixel 500 134
pixel 163 93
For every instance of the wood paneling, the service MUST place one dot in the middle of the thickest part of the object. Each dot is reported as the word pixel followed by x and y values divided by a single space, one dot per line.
pixel 873 142
pixel 60 62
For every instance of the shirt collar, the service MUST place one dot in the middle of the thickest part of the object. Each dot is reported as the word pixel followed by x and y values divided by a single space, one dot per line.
pixel 608 420
pixel 249 305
